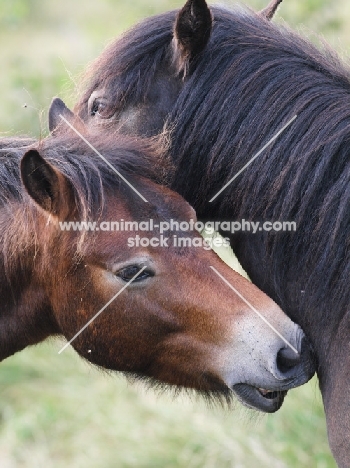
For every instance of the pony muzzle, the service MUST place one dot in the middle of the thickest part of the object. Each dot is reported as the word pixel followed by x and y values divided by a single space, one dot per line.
pixel 270 368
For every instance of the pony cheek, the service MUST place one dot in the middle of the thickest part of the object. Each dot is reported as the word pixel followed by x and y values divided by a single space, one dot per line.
pixel 117 337
pixel 118 340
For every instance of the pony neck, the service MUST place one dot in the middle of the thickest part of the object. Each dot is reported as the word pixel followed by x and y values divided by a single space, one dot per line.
pixel 25 317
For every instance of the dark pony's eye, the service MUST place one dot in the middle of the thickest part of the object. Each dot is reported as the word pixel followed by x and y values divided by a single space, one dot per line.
pixel 98 107
pixel 127 273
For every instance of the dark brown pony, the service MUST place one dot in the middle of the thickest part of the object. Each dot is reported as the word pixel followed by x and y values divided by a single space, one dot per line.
pixel 177 323
pixel 224 83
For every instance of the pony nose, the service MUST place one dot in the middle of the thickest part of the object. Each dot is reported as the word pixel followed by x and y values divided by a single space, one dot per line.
pixel 287 359
pixel 296 365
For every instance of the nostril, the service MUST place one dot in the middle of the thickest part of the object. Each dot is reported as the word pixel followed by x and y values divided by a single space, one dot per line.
pixel 287 359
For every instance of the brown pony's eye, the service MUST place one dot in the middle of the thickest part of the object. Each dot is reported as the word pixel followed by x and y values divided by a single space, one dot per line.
pixel 127 273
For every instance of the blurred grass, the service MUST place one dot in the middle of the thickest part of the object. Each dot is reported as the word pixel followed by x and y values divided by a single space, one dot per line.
pixel 55 410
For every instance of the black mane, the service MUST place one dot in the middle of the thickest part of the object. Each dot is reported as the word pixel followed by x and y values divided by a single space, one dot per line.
pixel 260 76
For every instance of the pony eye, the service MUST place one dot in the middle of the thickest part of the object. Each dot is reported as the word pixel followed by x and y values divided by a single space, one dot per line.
pixel 98 107
pixel 127 273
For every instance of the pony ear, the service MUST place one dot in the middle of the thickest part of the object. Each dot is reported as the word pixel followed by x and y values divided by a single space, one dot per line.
pixel 192 32
pixel 270 10
pixel 57 125
pixel 47 186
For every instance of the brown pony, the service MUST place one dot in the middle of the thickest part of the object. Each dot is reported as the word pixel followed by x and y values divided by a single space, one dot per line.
pixel 177 322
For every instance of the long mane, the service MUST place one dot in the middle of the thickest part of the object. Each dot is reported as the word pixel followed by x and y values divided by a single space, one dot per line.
pixel 259 77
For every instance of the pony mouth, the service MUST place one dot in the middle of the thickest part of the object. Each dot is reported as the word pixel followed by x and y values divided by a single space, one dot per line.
pixel 267 401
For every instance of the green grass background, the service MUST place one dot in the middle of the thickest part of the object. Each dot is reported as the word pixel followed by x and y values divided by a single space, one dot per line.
pixel 55 410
